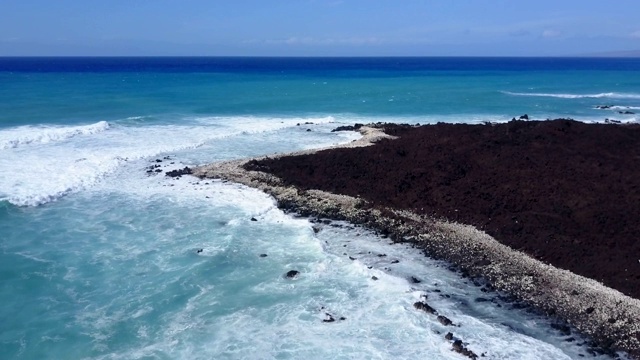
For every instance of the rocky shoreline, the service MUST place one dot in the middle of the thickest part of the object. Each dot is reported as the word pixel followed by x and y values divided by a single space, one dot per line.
pixel 606 315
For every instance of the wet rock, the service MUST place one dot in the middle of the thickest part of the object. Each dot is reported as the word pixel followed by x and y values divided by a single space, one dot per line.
pixel 329 318
pixel 179 172
pixel 481 299
pixel 374 278
pixel 415 280
pixel 395 261
pixel 254 219
pixel 449 336
pixel 563 328
pixel 603 107
pixel 421 305
pixel 263 255
pixel 524 117
pixel 483 262
pixel 459 348
pixel 292 274
pixel 348 128
pixel 351 258
pixel 626 112
pixel 444 320
pixel 199 251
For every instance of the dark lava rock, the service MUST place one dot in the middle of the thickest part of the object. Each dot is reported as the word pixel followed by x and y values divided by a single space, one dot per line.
pixel 263 255
pixel 175 173
pixel 329 318
pixel 459 348
pixel 199 251
pixel 626 112
pixel 590 310
pixel 449 336
pixel 348 128
pixel 292 274
pixel 374 278
pixel 481 299
pixel 415 280
pixel 395 261
pixel 351 258
pixel 254 219
pixel 420 305
pixel 603 107
pixel 524 117
pixel 444 320
pixel 482 176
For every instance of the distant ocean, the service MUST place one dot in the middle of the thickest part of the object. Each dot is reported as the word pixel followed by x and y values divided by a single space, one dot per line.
pixel 99 251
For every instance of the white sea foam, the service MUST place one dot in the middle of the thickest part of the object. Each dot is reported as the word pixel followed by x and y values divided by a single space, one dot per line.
pixel 26 135
pixel 40 174
pixel 608 95
pixel 251 309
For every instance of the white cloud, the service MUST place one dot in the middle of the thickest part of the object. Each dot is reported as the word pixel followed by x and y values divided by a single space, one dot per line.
pixel 294 40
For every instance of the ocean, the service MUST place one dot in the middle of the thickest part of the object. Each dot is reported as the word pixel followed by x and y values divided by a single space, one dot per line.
pixel 102 256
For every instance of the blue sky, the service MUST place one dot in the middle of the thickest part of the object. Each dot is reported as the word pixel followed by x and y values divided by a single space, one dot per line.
pixel 318 28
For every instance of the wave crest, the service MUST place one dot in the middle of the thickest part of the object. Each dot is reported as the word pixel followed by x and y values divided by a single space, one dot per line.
pixel 609 95
pixel 25 135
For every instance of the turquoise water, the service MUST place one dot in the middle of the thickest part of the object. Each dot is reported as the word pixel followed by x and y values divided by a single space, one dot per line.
pixel 99 259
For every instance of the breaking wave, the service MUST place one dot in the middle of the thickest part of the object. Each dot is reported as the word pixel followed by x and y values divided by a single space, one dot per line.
pixel 608 95
pixel 26 135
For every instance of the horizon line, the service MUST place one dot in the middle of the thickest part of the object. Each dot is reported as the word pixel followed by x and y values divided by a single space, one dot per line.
pixel 616 55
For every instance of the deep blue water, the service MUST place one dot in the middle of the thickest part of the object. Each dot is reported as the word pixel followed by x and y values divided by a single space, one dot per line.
pixel 98 257
pixel 312 66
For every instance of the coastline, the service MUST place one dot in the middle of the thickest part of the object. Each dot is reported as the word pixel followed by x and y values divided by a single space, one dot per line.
pixel 604 314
